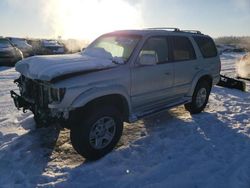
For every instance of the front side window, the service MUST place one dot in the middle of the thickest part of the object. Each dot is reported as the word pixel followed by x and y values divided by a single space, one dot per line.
pixel 207 46
pixel 182 49
pixel 157 48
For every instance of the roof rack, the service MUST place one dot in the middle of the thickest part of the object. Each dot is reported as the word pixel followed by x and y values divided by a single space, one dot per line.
pixel 164 28
pixel 175 29
pixel 192 31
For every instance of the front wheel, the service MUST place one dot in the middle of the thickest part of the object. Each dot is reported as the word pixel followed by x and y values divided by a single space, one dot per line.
pixel 97 133
pixel 199 98
pixel 41 121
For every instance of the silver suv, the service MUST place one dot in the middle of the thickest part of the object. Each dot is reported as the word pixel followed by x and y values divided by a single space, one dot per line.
pixel 121 77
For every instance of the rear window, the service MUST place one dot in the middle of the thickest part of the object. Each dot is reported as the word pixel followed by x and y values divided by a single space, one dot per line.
pixel 207 46
pixel 182 49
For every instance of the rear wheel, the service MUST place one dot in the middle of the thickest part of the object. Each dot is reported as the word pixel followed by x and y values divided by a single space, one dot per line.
pixel 199 98
pixel 96 134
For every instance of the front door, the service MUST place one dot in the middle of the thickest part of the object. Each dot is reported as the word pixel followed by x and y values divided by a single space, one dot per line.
pixel 152 76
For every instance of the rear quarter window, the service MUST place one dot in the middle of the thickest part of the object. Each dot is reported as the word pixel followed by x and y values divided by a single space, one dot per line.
pixel 207 46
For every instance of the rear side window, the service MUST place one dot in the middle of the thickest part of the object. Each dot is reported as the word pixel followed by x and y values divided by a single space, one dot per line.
pixel 207 46
pixel 182 49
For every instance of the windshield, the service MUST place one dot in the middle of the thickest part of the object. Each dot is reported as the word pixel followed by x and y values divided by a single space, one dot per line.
pixel 5 43
pixel 114 45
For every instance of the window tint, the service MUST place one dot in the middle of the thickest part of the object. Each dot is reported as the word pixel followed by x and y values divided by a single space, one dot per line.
pixel 157 47
pixel 207 46
pixel 182 49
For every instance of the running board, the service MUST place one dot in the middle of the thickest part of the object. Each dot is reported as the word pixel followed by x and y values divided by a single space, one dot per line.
pixel 136 117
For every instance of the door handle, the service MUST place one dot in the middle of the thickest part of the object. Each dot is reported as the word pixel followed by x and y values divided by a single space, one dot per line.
pixel 167 73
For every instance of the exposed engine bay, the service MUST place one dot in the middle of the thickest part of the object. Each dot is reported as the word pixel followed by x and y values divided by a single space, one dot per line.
pixel 36 95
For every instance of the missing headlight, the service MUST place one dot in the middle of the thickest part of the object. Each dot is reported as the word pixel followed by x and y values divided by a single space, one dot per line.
pixel 56 94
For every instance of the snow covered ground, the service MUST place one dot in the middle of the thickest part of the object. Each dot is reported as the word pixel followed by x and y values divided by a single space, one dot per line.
pixel 171 149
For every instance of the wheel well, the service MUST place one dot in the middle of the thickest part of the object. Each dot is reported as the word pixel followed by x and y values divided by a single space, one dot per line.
pixel 207 79
pixel 116 100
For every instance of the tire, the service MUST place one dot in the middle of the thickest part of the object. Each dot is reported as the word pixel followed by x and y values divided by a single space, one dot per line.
pixel 92 136
pixel 199 98
pixel 40 122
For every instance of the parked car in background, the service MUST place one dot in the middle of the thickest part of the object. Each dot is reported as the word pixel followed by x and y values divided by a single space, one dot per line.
pixel 49 47
pixel 230 49
pixel 22 45
pixel 9 54
pixel 36 45
pixel 243 67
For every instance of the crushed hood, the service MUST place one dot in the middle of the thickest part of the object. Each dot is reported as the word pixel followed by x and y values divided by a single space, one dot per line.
pixel 48 68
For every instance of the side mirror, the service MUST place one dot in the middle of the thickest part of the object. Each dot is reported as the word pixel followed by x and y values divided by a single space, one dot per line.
pixel 147 59
pixel 83 49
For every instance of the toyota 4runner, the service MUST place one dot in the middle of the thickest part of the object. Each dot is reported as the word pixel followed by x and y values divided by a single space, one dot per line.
pixel 121 77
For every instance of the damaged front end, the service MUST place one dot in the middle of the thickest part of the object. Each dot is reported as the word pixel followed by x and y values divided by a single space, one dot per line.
pixel 36 95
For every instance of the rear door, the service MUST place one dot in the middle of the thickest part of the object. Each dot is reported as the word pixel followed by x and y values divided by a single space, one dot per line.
pixel 211 60
pixel 185 64
pixel 151 84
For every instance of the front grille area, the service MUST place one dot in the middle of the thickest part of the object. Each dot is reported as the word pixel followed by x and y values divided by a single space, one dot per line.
pixel 35 92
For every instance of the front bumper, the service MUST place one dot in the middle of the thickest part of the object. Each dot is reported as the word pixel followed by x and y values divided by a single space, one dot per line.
pixel 51 115
pixel 20 102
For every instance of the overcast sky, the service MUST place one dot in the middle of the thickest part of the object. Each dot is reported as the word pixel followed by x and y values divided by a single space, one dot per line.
pixel 89 18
